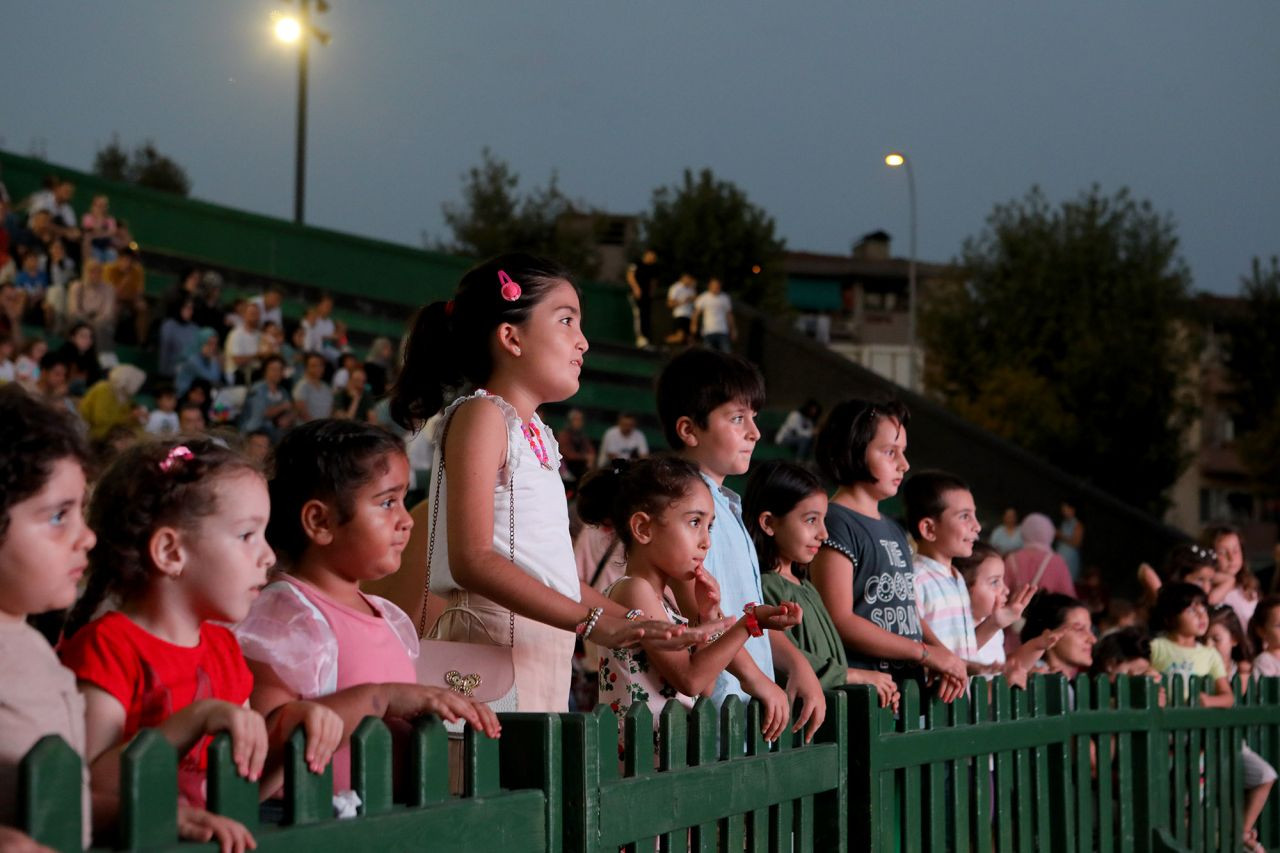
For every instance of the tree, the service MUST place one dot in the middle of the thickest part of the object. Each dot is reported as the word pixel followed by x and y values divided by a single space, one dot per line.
pixel 1252 354
pixel 146 167
pixel 708 227
pixel 1067 335
pixel 493 218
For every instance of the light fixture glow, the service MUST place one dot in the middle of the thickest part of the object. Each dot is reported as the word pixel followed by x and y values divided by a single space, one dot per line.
pixel 288 29
pixel 894 160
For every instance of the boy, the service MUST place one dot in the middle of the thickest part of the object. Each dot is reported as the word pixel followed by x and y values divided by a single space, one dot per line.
pixel 713 317
pixel 164 420
pixel 44 550
pixel 707 402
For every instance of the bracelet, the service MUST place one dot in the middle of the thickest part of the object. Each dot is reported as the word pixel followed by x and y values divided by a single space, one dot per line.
pixel 753 624
pixel 924 653
pixel 711 639
pixel 584 628
pixel 633 615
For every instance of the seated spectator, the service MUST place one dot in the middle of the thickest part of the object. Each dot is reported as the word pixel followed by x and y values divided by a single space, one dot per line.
pixel 243 343
pixel 62 216
pixel 33 281
pixel 622 441
pixel 269 303
pixel 272 341
pixel 178 334
pixel 81 356
pixel 321 331
pixel 353 401
pixel 52 384
pixel 99 229
pixel 312 396
pixel 346 363
pixel 35 238
pixel 163 420
pixel 295 353
pixel 268 407
pixel 379 365
pixel 126 275
pixel 577 451
pixel 26 367
pixel 191 419
pixel 56 303
pixel 185 287
pixel 796 432
pixel 257 447
pixel 200 362
pixel 109 402
pixel 92 300
pixel 60 268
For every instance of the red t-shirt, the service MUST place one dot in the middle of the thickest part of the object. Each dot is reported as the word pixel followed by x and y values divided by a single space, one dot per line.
pixel 154 679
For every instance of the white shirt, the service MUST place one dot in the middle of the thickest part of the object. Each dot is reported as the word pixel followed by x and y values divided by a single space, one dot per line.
pixel 614 444
pixel 240 341
pixel 269 315
pixel 163 423
pixel 713 310
pixel 316 332
pixel 683 295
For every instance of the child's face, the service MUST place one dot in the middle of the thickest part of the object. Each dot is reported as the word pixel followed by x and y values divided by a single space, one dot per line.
pixel 1271 629
pixel 952 533
pixel 1202 577
pixel 800 533
pixel 46 548
pixel 1076 646
pixel 887 458
pixel 167 402
pixel 369 544
pixel 988 592
pixel 551 345
pixel 227 555
pixel 1192 622
pixel 676 541
pixel 724 447
pixel 1230 553
pixel 1219 639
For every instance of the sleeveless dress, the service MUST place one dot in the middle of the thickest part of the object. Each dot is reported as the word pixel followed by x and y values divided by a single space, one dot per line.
pixel 626 677
pixel 541 654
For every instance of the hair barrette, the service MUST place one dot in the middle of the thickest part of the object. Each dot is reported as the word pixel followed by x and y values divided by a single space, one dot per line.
pixel 510 290
pixel 180 453
pixel 448 308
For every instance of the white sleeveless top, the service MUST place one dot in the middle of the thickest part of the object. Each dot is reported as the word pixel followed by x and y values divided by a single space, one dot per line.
pixel 543 547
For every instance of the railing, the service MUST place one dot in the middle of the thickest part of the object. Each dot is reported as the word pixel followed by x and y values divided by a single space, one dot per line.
pixel 1080 767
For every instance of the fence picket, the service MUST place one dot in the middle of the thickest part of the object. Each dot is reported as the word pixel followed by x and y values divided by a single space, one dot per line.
pixel 428 762
pixel 703 733
pixel 733 745
pixel 371 766
pixel 961 780
pixel 1080 760
pixel 308 797
pixel 230 794
pixel 1003 712
pixel 673 753
pixel 148 792
pixel 831 808
pixel 50 792
pixel 983 773
pixel 1024 794
pixel 935 773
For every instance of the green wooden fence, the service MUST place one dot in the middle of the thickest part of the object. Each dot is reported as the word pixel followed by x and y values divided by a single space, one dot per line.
pixel 1058 767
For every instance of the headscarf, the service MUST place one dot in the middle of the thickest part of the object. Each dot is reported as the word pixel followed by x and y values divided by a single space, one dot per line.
pixel 197 343
pixel 1037 529
pixel 126 380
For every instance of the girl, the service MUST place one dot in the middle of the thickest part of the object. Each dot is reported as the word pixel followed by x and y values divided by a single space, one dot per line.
pixel 1071 651
pixel 81 357
pixel 180 545
pixel 1234 585
pixel 863 570
pixel 1227 638
pixel 200 361
pixel 783 509
pixel 513 331
pixel 993 612
pixel 1180 618
pixel 338 489
pixel 1264 631
pixel 662 512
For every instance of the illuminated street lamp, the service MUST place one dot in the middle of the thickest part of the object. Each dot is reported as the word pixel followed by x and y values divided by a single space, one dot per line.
pixel 894 160
pixel 298 29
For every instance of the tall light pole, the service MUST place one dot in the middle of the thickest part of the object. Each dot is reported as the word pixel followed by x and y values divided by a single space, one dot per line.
pixel 299 30
pixel 893 161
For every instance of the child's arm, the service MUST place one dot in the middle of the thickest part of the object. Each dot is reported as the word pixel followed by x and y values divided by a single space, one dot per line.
pixel 1003 617
pixel 1222 697
pixel 802 681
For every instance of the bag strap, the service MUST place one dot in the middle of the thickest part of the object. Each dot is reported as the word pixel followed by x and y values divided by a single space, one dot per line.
pixel 604 560
pixel 431 536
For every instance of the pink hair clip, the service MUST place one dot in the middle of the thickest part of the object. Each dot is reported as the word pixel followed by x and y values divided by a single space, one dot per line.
pixel 510 290
pixel 179 453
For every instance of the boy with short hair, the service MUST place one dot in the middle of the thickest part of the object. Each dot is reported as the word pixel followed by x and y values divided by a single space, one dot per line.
pixel 707 402
pixel 164 419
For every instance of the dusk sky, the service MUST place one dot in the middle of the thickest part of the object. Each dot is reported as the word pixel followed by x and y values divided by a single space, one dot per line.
pixel 796 102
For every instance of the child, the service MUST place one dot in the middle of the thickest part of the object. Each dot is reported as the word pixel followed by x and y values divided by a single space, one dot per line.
pixel 164 419
pixel 663 514
pixel 1235 585
pixel 1181 618
pixel 44 547
pixel 337 488
pixel 993 612
pixel 513 331
pixel 1124 652
pixel 784 507
pixel 1227 638
pixel 180 545
pixel 862 570
pixel 1264 631
pixel 707 402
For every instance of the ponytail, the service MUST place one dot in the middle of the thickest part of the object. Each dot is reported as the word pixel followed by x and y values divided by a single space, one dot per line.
pixel 430 365
pixel 612 495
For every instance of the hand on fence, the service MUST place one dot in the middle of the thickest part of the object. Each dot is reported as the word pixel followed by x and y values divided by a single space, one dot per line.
pixel 886 687
pixel 779 617
pixel 248 732
pixel 323 728
pixel 706 591
pixel 13 841
pixel 414 700
pixel 802 684
pixel 1012 610
pixel 777 708
pixel 199 825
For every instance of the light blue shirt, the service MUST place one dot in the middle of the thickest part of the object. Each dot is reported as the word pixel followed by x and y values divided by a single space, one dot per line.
pixel 732 561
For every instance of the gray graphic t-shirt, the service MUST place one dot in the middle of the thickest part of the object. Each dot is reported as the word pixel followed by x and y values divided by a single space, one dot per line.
pixel 883 582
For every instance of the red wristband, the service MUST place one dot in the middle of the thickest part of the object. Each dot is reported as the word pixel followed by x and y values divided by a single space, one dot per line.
pixel 753 624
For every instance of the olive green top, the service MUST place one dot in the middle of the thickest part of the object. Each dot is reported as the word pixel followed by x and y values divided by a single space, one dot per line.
pixel 816 635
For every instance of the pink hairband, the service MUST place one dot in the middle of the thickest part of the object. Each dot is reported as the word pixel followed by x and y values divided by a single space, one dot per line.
pixel 510 290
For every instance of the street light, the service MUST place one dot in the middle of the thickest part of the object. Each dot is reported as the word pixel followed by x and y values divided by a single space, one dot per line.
pixel 298 29
pixel 894 160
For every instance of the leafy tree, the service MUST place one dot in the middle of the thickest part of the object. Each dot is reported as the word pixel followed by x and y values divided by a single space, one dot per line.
pixel 146 167
pixel 493 218
pixel 1067 335
pixel 708 227
pixel 1253 360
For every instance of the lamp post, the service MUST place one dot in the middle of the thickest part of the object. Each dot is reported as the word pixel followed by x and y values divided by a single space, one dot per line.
pixel 299 30
pixel 894 161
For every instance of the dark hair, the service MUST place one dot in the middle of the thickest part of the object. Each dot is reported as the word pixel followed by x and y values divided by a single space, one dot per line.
pixel 698 381
pixel 144 488
pixel 1209 537
pixel 1225 615
pixel 924 496
pixel 849 428
pixel 1258 621
pixel 326 460
pixel 271 359
pixel 612 495
pixel 1120 646
pixel 1187 558
pixel 1172 599
pixel 449 343
pixel 968 566
pixel 165 389
pixel 775 487
pixel 53 358
pixel 34 436
pixel 1047 612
